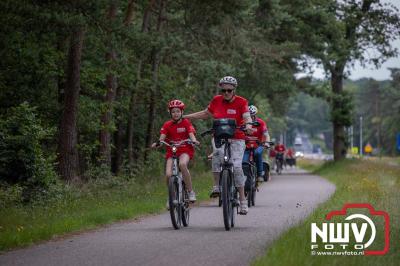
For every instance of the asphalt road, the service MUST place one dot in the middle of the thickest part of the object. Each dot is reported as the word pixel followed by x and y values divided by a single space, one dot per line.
pixel 281 204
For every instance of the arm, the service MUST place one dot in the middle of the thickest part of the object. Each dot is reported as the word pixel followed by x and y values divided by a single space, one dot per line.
pixel 193 138
pixel 199 115
pixel 266 136
pixel 247 119
pixel 162 137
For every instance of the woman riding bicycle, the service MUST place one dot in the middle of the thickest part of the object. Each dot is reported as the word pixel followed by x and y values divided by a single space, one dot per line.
pixel 175 130
pixel 229 105
pixel 258 139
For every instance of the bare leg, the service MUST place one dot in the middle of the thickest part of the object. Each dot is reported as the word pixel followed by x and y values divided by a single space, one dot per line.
pixel 241 194
pixel 168 170
pixel 183 165
pixel 216 178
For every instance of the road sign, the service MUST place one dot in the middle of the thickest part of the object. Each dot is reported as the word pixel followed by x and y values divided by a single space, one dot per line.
pixel 368 148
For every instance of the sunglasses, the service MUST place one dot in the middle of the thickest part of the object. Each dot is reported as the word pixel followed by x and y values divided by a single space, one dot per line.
pixel 226 90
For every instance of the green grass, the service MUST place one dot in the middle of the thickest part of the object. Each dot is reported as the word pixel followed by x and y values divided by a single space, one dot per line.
pixel 99 203
pixel 357 181
pixel 309 165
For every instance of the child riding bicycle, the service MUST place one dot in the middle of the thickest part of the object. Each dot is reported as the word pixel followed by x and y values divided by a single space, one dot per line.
pixel 258 139
pixel 175 130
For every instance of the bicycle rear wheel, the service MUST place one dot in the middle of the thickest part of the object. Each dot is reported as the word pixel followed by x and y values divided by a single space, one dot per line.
pixel 185 207
pixel 175 209
pixel 253 196
pixel 234 199
pixel 225 196
pixel 249 195
pixel 266 172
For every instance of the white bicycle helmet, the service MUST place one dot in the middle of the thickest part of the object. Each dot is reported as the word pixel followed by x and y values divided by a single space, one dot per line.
pixel 228 80
pixel 253 110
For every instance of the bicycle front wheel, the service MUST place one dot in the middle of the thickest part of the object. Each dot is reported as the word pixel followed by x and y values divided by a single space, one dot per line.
pixel 226 201
pixel 175 209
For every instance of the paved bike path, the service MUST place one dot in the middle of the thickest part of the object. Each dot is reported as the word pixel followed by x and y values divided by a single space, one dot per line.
pixel 280 204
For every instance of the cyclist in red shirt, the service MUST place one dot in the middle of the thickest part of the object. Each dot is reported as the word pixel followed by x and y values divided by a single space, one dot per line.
pixel 290 157
pixel 280 152
pixel 279 148
pixel 257 139
pixel 178 129
pixel 229 105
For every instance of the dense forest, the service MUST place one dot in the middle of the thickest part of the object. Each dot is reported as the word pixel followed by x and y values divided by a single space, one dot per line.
pixel 84 84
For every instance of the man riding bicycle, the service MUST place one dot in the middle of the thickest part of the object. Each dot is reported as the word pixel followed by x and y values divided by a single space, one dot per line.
pixel 231 106
pixel 175 130
pixel 257 140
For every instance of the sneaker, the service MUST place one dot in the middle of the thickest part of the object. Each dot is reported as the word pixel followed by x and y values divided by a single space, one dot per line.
pixel 192 196
pixel 243 209
pixel 260 179
pixel 214 192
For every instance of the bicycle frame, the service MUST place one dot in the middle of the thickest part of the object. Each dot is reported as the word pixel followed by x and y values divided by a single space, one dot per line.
pixel 179 205
pixel 228 190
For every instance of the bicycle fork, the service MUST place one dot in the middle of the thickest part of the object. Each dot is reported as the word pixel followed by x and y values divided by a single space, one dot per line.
pixel 177 175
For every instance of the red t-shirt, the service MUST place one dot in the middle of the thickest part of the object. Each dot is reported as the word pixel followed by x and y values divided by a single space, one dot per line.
pixel 280 148
pixel 257 134
pixel 177 132
pixel 219 108
pixel 290 153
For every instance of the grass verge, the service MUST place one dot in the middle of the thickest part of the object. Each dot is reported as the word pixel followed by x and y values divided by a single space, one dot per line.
pixel 99 203
pixel 357 181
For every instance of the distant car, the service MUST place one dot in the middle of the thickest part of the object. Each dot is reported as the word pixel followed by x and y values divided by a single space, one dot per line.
pixel 298 141
pixel 299 154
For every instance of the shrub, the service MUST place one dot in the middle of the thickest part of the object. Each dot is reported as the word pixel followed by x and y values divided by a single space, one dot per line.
pixel 22 161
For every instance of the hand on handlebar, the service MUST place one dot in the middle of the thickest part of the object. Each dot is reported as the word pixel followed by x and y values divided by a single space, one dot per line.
pixel 196 142
pixel 156 144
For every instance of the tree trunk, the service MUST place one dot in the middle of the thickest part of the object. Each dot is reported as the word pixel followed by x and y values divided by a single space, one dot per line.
pixel 118 137
pixel 131 119
pixel 130 14
pixel 155 63
pixel 111 84
pixel 68 162
pixel 133 101
pixel 119 134
pixel 339 137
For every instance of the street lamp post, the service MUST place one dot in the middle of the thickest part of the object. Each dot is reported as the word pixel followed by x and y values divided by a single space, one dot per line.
pixel 351 137
pixel 361 136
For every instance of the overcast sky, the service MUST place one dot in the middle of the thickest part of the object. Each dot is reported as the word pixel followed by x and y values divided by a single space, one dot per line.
pixel 370 71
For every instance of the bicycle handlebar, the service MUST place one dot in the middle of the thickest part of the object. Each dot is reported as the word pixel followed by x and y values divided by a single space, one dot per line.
pixel 242 128
pixel 177 144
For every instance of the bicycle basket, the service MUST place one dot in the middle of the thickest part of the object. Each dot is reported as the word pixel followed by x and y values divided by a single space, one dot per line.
pixel 224 128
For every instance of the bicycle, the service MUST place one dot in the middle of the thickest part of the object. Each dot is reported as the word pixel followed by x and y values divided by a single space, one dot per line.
pixel 250 170
pixel 178 198
pixel 267 164
pixel 279 163
pixel 224 130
